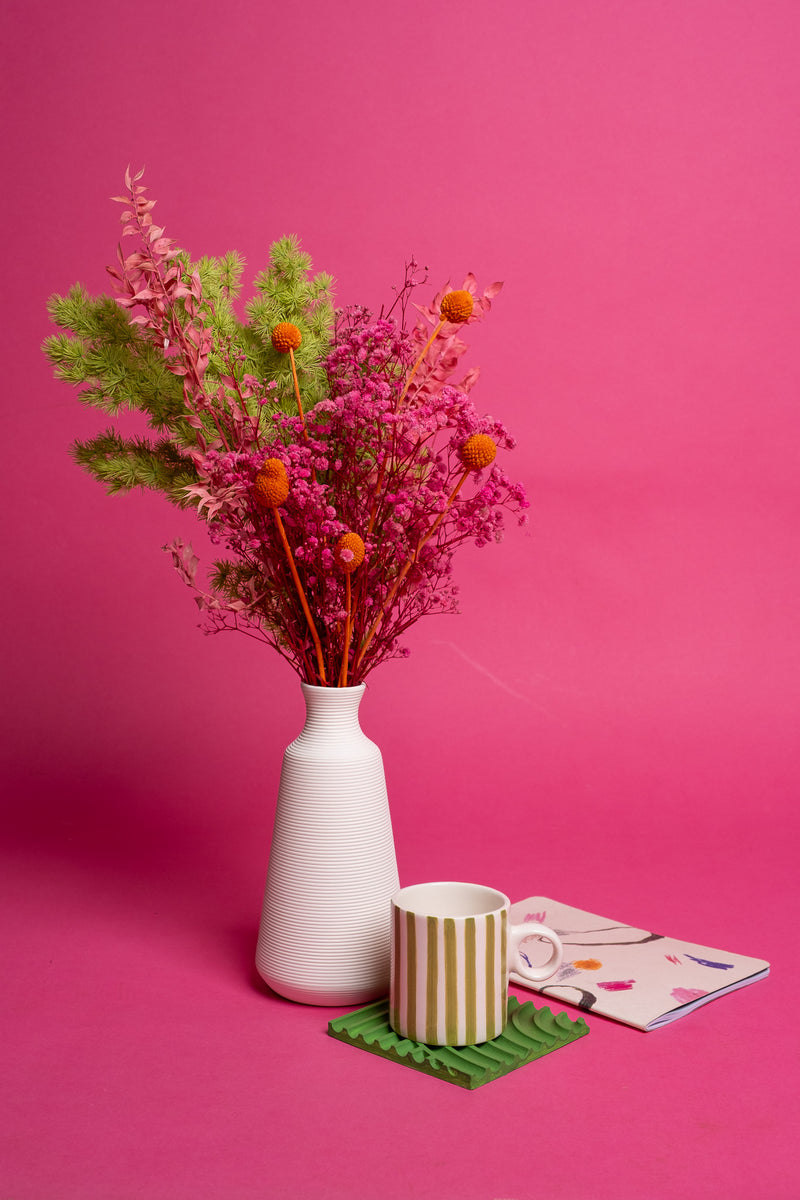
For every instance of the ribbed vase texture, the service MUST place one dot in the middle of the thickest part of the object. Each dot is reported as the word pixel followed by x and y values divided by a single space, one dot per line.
pixel 325 926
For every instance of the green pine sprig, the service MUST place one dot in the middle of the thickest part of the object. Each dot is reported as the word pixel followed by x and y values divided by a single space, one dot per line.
pixel 287 292
pixel 118 366
pixel 124 463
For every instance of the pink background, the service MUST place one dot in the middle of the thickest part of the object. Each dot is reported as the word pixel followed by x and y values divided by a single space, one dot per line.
pixel 612 719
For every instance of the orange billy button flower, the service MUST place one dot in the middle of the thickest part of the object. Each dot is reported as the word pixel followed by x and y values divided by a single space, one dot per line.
pixel 348 554
pixel 456 307
pixel 271 486
pixel 478 451
pixel 286 337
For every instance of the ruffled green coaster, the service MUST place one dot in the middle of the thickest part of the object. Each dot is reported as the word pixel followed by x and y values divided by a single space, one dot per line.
pixel 529 1034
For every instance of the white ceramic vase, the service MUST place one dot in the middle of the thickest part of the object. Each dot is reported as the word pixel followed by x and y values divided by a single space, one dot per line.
pixel 325 925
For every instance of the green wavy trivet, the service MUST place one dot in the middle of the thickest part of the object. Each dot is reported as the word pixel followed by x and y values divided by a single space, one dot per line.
pixel 529 1034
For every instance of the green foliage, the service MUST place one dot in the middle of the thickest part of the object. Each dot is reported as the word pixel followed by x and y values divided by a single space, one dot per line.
pixel 233 580
pixel 221 283
pixel 125 463
pixel 287 293
pixel 120 365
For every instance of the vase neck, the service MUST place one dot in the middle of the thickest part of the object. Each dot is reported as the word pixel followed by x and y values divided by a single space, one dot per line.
pixel 330 711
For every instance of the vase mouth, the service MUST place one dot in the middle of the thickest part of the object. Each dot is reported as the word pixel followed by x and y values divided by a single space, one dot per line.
pixel 315 687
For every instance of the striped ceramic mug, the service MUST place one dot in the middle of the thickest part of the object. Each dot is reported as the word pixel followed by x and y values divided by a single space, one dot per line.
pixel 452 949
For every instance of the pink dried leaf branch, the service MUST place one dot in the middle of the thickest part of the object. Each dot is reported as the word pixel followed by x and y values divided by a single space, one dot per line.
pixel 171 299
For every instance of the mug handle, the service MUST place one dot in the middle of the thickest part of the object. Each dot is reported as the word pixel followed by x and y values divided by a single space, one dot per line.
pixel 517 934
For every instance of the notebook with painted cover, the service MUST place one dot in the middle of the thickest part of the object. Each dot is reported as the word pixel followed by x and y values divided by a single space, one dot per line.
pixel 631 975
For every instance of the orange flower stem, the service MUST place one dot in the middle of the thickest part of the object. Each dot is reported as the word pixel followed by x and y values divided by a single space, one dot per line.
pixel 443 513
pixel 348 630
pixel 407 567
pixel 306 610
pixel 417 364
pixel 297 391
pixel 300 403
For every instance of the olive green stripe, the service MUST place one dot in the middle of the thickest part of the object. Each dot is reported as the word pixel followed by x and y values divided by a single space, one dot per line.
pixel 503 967
pixel 470 998
pixel 431 1013
pixel 394 1015
pixel 450 982
pixel 411 977
pixel 490 972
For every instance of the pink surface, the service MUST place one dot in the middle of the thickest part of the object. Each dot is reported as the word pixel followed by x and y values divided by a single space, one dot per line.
pixel 620 695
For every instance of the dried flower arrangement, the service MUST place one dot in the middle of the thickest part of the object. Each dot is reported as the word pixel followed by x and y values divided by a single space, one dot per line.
pixel 326 451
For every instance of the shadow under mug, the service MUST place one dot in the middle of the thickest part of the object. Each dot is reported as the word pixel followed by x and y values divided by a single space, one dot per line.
pixel 452 948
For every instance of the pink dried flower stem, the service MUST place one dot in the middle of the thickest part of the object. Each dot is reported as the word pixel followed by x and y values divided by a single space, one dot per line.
pixel 233 379
pixel 409 563
pixel 379 487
